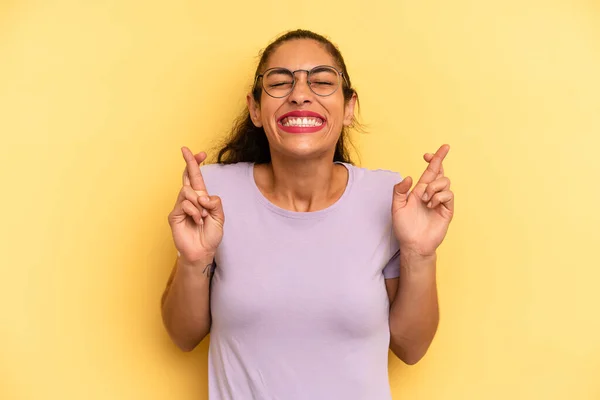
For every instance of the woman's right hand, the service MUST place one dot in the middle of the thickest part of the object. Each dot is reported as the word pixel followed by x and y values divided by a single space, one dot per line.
pixel 197 219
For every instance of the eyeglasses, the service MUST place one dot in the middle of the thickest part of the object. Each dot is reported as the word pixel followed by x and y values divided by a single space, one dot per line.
pixel 322 80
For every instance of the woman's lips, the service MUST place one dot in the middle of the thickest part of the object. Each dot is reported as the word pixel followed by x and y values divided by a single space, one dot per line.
pixel 301 122
pixel 301 129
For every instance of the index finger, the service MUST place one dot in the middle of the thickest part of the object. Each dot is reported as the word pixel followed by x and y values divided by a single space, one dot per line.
pixel 193 170
pixel 435 165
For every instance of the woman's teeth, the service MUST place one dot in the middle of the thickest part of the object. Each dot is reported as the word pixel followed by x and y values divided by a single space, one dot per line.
pixel 302 122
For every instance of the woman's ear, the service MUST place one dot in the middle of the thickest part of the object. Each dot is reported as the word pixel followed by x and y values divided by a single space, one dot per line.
pixel 254 109
pixel 349 110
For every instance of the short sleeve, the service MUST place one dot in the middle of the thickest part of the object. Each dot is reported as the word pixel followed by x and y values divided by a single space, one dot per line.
pixel 392 268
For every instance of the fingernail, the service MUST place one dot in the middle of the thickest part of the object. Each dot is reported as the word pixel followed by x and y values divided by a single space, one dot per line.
pixel 204 199
pixel 425 196
pixel 429 204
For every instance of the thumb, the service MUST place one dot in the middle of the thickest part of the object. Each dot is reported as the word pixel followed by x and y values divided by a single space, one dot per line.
pixel 401 192
pixel 213 205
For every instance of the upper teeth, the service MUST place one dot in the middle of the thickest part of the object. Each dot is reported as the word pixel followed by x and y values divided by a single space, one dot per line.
pixel 302 122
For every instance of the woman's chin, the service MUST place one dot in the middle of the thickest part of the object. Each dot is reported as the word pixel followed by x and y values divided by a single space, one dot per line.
pixel 305 151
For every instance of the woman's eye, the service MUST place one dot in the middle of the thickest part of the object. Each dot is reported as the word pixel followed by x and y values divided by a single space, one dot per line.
pixel 279 84
pixel 322 83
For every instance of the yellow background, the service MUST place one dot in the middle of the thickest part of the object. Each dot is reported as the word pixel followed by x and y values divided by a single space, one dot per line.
pixel 96 98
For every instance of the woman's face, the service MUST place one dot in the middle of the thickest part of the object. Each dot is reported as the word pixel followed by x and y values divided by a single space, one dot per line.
pixel 283 118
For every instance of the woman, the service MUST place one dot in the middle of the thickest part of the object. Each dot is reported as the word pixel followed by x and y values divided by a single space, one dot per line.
pixel 303 267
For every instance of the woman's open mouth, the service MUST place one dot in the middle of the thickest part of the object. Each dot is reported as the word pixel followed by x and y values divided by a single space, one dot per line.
pixel 301 122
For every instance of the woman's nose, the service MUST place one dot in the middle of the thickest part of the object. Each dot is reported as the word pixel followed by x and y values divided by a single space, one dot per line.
pixel 301 93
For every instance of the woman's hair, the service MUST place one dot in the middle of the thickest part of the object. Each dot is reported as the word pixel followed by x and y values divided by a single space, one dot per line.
pixel 247 142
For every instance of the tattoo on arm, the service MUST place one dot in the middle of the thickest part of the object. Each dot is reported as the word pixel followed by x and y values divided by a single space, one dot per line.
pixel 208 270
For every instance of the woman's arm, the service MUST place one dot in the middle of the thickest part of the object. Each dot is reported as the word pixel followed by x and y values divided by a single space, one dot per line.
pixel 185 303
pixel 414 313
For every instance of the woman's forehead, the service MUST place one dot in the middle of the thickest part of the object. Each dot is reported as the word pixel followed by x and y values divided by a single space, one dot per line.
pixel 300 54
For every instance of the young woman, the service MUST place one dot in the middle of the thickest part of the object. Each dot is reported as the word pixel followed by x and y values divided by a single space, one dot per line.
pixel 304 268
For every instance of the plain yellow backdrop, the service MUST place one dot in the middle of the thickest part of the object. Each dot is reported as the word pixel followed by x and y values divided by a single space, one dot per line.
pixel 97 97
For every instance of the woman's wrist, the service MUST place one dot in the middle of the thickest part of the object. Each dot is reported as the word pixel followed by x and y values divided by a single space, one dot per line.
pixel 411 261
pixel 199 263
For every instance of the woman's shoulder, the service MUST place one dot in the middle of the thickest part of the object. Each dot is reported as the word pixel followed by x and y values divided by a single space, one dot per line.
pixel 374 187
pixel 217 168
pixel 221 176
pixel 374 177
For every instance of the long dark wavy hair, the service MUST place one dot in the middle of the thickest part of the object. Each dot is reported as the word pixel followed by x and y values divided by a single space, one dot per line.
pixel 248 143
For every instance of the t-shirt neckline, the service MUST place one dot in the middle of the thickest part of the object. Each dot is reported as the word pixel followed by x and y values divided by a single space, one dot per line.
pixel 299 214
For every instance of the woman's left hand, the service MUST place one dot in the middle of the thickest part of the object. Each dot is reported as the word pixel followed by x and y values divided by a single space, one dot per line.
pixel 421 217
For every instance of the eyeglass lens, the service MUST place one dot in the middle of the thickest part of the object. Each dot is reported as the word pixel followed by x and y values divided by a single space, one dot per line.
pixel 279 82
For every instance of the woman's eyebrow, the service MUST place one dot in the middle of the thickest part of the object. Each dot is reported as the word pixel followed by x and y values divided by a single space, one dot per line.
pixel 320 68
pixel 281 71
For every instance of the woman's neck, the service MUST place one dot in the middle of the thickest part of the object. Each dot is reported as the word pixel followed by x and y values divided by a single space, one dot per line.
pixel 301 185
